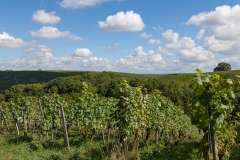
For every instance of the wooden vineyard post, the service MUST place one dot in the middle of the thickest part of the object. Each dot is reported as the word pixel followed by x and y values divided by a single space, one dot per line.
pixel 15 121
pixel 121 141
pixel 211 134
pixel 156 136
pixel 43 119
pixel 4 119
pixel 103 137
pixel 108 138
pixel 64 128
pixel 25 119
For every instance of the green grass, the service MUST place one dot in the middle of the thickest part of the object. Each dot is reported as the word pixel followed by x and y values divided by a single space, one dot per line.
pixel 183 151
pixel 18 148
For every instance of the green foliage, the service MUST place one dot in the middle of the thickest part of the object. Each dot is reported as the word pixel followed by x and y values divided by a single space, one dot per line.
pixel 222 66
pixel 145 111
pixel 214 92
pixel 179 93
pixel 235 153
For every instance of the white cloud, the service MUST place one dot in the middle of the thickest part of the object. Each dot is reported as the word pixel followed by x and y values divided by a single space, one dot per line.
pixel 178 66
pixel 224 24
pixel 42 58
pixel 145 35
pixel 82 52
pixel 170 36
pixel 74 38
pixel 9 41
pixel 45 18
pixel 154 41
pixel 80 3
pixel 200 34
pixel 173 43
pixel 196 54
pixel 95 63
pixel 137 62
pixel 141 61
pixel 222 46
pixel 49 32
pixel 230 31
pixel 222 15
pixel 44 48
pixel 123 22
pixel 184 43
pixel 164 51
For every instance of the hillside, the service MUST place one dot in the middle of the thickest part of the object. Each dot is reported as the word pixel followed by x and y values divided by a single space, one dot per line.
pixel 9 78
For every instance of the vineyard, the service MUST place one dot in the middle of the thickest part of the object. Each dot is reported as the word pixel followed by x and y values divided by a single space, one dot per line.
pixel 122 125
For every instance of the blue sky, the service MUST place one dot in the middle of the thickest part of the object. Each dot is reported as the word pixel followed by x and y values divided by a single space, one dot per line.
pixel 145 36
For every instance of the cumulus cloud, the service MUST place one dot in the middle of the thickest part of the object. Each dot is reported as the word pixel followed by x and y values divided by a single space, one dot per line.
pixel 200 34
pixel 196 54
pixel 223 15
pixel 170 36
pixel 49 32
pixel 184 43
pixel 74 38
pixel 178 66
pixel 9 41
pixel 141 61
pixel 226 32
pixel 164 51
pixel 82 52
pixel 80 3
pixel 44 48
pixel 154 41
pixel 40 58
pixel 122 22
pixel 173 43
pixel 145 35
pixel 224 24
pixel 45 18
pixel 222 46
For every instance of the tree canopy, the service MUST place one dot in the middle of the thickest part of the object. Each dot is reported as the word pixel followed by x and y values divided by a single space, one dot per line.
pixel 222 66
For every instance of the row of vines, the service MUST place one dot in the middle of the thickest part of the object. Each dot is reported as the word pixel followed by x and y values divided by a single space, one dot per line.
pixel 131 118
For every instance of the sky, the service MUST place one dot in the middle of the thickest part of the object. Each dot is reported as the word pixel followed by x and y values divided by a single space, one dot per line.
pixel 133 36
